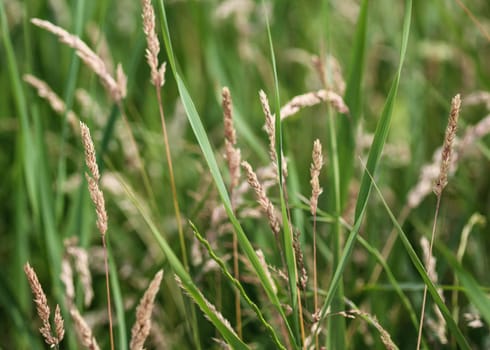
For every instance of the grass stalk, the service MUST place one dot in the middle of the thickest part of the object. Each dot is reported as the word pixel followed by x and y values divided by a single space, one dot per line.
pixel 440 184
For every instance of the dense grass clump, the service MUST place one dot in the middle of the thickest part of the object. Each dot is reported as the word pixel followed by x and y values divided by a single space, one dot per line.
pixel 184 174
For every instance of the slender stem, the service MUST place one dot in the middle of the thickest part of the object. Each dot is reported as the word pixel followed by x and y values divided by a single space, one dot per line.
pixel 422 313
pixel 183 249
pixel 108 291
pixel 172 181
pixel 315 281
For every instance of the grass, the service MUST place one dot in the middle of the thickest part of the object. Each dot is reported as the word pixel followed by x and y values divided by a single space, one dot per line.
pixel 400 66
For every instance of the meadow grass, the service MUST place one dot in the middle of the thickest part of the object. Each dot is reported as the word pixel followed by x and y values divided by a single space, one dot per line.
pixel 260 174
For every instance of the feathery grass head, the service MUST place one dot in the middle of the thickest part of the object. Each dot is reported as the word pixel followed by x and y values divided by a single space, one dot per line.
pixel 233 154
pixel 142 325
pixel 93 179
pixel 83 331
pixel 116 87
pixel 316 166
pixel 262 198
pixel 43 310
pixel 157 73
pixel 447 148
pixel 56 103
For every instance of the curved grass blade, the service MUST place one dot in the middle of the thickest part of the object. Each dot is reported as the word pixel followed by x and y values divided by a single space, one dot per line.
pixel 471 288
pixel 237 285
pixel 453 327
pixel 228 334
pixel 202 139
pixel 287 234
pixel 373 160
pixel 352 98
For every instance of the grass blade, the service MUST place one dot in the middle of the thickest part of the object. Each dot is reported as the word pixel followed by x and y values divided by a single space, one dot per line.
pixel 453 327
pixel 471 288
pixel 202 139
pixel 239 286
pixel 225 330
pixel 373 160
pixel 352 98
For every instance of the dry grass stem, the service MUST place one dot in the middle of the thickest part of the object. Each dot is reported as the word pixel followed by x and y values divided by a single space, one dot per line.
pixel 116 87
pixel 447 148
pixel 157 73
pixel 262 198
pixel 440 184
pixel 313 98
pixel 142 325
pixel 56 103
pixel 43 310
pixel 83 331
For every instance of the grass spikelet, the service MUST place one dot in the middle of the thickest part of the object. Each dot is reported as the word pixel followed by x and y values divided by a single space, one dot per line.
pixel 313 98
pixel 447 148
pixel 262 199
pixel 440 184
pixel 116 87
pixel 67 279
pixel 80 259
pixel 43 310
pixel 93 179
pixel 83 331
pixel 270 127
pixel 56 103
pixel 316 166
pixel 98 199
pixel 157 73
pixel 142 325
pixel 233 156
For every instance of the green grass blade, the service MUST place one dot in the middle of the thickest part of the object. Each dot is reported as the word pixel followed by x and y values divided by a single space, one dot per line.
pixel 239 286
pixel 225 330
pixel 287 233
pixel 71 82
pixel 202 139
pixel 348 123
pixel 384 124
pixel 471 288
pixel 453 327
pixel 391 278
pixel 117 298
pixel 373 160
pixel 28 151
